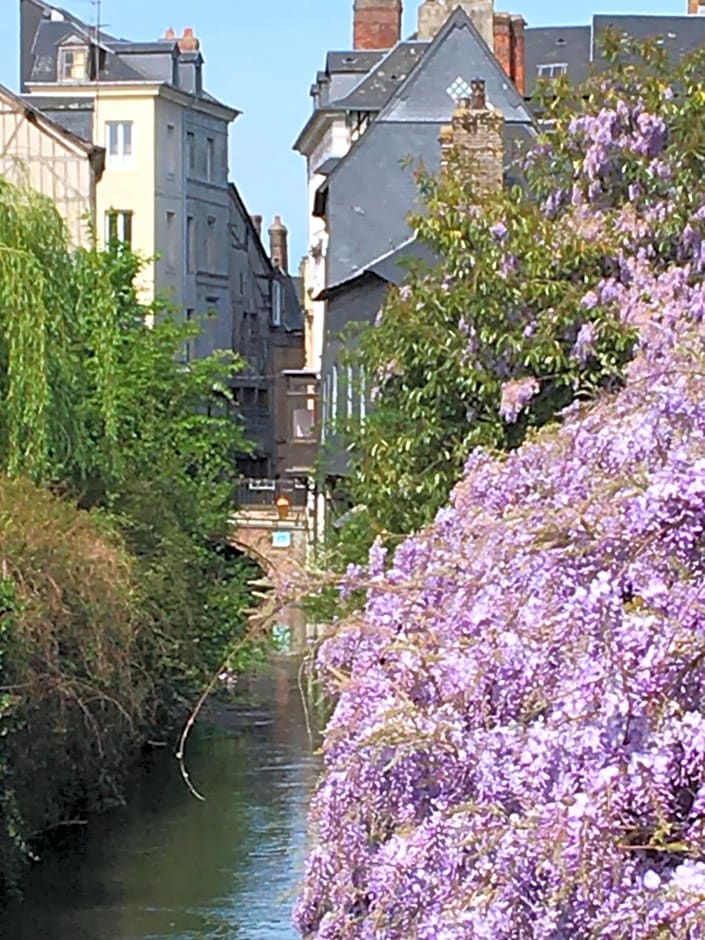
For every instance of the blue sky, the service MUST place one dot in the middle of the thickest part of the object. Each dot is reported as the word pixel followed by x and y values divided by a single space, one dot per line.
pixel 261 58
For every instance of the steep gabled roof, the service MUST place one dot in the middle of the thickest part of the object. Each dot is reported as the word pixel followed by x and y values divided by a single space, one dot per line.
pixel 501 91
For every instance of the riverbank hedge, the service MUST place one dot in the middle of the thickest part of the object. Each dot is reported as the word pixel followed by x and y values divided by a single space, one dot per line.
pixel 75 696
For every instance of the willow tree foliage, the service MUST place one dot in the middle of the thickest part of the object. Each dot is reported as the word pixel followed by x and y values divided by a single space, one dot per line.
pixel 97 406
pixel 518 745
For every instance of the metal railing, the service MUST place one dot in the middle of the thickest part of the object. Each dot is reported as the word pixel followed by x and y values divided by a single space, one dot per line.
pixel 260 492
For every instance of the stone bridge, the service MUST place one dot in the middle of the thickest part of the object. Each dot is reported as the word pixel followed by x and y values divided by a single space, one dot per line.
pixel 279 546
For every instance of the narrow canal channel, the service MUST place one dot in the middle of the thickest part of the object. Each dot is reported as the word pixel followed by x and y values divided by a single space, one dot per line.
pixel 168 867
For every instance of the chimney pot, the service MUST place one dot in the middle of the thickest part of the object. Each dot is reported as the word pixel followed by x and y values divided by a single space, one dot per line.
pixel 189 42
pixel 257 222
pixel 170 35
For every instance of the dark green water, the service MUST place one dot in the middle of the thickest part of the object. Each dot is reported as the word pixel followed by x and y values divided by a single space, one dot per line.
pixel 168 866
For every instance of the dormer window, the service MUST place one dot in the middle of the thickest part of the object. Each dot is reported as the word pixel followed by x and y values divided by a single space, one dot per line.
pixel 358 121
pixel 73 64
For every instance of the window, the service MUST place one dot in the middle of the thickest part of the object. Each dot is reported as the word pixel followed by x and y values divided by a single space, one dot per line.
pixel 210 158
pixel 171 151
pixel 359 122
pixel 191 151
pixel 349 390
pixel 190 244
pixel 303 424
pixel 211 245
pixel 118 228
pixel 276 303
pixel 171 240
pixel 73 64
pixel 552 70
pixel 325 403
pixel 334 397
pixel 363 396
pixel 119 143
pixel 188 347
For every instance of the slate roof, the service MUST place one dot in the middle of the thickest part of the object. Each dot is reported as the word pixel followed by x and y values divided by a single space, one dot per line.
pixel 554 45
pixel 679 34
pixel 391 267
pixel 578 47
pixel 357 60
pixel 75 115
pixel 124 60
pixel 373 92
pixel 367 221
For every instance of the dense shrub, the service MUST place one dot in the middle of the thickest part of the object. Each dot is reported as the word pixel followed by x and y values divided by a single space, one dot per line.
pixel 76 696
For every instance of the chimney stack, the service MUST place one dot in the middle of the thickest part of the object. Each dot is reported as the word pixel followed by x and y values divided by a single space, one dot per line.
pixel 509 47
pixel 433 15
pixel 376 24
pixel 475 140
pixel 279 244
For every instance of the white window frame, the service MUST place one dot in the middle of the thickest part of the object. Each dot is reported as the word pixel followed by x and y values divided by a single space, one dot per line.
pixel 124 156
pixel 123 219
pixel 552 69
pixel 334 397
pixel 64 53
pixel 350 377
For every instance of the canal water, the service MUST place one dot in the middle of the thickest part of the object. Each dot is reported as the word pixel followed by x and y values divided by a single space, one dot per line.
pixel 168 867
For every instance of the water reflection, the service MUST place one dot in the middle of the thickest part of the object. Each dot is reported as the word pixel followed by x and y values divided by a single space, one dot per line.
pixel 169 866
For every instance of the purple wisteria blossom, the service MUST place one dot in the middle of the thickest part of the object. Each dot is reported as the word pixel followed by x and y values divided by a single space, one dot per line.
pixel 516 395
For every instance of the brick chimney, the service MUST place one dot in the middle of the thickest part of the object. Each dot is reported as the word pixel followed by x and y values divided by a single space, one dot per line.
pixel 257 222
pixel 509 47
pixel 376 24
pixel 279 244
pixel 433 15
pixel 473 142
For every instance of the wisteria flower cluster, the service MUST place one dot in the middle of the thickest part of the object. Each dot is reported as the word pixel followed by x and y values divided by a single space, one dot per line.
pixel 517 750
pixel 518 747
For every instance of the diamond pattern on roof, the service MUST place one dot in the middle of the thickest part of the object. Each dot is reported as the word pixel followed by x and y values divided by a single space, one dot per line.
pixel 459 89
